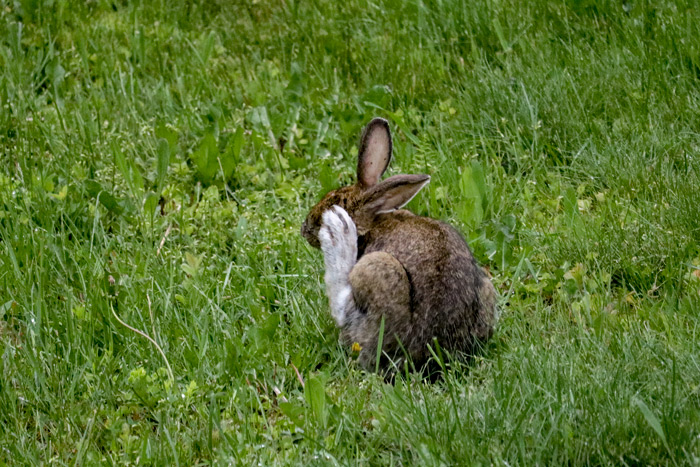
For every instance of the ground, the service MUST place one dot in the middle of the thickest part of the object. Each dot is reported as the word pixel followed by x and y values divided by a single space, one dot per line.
pixel 158 305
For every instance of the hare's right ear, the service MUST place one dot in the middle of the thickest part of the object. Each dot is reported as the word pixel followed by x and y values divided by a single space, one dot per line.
pixel 375 152
pixel 391 194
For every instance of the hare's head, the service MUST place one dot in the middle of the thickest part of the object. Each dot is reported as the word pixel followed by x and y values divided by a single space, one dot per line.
pixel 368 197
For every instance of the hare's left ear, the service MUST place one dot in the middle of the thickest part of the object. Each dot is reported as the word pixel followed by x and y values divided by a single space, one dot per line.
pixel 374 154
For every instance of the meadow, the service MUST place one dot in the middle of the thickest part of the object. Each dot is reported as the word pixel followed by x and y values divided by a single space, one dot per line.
pixel 159 307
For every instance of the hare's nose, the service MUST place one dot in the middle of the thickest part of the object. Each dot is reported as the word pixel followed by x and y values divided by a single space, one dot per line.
pixel 306 230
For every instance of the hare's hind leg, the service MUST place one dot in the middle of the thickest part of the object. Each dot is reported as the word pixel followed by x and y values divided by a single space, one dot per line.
pixel 380 288
pixel 362 292
pixel 338 238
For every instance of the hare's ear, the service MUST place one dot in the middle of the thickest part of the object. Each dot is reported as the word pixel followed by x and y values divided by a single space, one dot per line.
pixel 375 152
pixel 393 193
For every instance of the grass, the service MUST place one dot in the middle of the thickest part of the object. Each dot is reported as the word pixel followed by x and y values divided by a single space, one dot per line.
pixel 157 159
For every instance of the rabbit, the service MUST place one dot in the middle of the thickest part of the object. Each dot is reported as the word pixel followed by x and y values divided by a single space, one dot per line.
pixel 415 273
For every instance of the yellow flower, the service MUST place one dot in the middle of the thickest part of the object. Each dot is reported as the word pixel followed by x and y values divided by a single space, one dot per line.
pixel 356 347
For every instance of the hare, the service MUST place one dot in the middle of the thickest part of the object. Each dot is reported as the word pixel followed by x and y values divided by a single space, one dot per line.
pixel 383 263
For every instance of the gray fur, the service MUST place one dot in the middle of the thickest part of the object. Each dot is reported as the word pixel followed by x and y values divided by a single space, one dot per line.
pixel 415 272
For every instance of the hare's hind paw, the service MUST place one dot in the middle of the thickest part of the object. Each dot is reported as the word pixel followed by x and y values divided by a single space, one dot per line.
pixel 338 238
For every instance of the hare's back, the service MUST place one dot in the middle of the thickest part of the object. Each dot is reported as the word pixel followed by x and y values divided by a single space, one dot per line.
pixel 446 283
pixel 436 258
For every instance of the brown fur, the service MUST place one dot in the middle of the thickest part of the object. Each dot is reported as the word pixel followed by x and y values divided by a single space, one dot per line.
pixel 416 272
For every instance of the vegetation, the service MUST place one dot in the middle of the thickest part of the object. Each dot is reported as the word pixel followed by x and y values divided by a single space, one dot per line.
pixel 158 158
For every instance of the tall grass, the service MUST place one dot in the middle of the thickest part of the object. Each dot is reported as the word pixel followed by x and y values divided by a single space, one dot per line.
pixel 156 161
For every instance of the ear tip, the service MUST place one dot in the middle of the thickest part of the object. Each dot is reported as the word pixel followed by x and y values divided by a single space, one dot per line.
pixel 378 121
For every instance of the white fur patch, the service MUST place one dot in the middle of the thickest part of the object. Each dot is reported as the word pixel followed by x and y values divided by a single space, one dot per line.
pixel 338 237
pixel 340 303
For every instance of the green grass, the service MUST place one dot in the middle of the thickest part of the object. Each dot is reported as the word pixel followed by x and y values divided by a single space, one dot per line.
pixel 141 177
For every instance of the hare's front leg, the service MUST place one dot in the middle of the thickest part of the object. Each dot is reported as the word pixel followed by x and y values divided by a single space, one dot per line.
pixel 338 238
